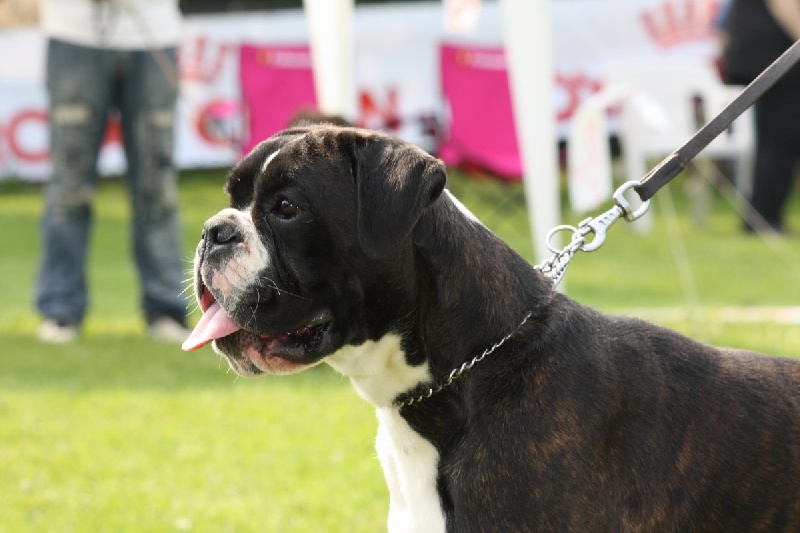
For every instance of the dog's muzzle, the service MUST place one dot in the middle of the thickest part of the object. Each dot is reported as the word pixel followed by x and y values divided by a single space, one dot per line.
pixel 228 263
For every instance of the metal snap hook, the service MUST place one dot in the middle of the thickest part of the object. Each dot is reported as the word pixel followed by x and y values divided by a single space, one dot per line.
pixel 622 202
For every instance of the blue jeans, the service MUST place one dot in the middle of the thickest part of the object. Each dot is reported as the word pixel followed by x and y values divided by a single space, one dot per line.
pixel 84 85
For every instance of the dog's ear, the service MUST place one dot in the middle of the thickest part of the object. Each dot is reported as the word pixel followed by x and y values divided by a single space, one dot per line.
pixel 395 182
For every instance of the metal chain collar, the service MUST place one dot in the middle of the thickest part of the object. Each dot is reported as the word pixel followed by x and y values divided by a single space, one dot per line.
pixel 458 372
pixel 554 268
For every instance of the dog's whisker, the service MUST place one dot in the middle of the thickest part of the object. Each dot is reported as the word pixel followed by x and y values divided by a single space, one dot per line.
pixel 191 301
pixel 405 326
pixel 288 293
pixel 254 308
pixel 240 270
pixel 185 290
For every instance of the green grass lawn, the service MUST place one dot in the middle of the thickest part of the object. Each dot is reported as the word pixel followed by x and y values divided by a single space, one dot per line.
pixel 119 433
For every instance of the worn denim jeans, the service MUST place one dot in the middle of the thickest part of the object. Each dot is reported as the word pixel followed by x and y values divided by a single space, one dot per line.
pixel 84 85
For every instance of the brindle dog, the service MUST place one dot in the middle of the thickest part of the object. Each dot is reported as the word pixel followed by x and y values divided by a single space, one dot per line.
pixel 341 245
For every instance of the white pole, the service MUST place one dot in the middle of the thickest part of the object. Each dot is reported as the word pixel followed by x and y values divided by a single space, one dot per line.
pixel 529 49
pixel 331 33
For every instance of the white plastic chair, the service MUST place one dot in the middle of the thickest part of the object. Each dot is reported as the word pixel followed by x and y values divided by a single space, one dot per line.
pixel 669 102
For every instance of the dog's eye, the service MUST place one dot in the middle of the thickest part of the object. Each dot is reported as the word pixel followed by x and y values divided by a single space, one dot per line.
pixel 286 209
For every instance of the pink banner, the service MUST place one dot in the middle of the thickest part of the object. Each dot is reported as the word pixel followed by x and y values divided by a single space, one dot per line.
pixel 481 131
pixel 276 83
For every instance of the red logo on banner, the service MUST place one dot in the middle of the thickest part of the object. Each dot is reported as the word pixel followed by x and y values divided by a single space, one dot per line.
pixel 376 116
pixel 27 132
pixel 219 122
pixel 202 61
pixel 14 132
pixel 677 22
pixel 572 91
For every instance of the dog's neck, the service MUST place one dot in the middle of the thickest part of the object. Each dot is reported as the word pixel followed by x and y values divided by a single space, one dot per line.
pixel 469 304
pixel 461 306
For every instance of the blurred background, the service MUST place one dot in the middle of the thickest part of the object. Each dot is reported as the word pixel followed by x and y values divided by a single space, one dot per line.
pixel 245 67
pixel 119 432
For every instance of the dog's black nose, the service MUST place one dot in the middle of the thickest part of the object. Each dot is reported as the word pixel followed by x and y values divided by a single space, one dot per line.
pixel 222 233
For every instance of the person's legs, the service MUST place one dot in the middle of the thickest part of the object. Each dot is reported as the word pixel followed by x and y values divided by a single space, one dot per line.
pixel 773 177
pixel 78 85
pixel 148 116
pixel 777 153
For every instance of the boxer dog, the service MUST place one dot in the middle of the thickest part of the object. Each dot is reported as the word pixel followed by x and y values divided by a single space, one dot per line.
pixel 503 405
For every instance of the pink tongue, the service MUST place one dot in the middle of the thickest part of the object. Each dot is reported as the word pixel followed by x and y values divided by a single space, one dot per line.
pixel 214 324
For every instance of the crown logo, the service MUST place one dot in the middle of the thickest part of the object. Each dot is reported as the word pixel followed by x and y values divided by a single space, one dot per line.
pixel 677 22
pixel 203 61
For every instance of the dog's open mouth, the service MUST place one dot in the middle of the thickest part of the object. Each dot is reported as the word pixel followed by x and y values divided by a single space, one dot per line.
pixel 265 351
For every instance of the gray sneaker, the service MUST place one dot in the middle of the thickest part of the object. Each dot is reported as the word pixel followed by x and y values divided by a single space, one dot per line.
pixel 168 329
pixel 53 331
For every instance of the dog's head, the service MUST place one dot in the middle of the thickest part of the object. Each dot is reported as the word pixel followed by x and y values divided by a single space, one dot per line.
pixel 312 254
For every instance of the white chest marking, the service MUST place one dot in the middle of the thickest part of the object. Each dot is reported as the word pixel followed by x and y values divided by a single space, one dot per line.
pixel 378 369
pixel 379 372
pixel 410 466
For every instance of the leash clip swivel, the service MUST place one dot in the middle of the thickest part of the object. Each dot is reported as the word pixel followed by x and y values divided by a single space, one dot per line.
pixel 555 267
pixel 630 213
pixel 599 225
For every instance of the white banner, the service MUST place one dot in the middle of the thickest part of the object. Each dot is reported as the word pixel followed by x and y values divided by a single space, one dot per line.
pixel 397 70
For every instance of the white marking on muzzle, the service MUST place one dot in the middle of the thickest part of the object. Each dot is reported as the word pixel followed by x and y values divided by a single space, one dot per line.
pixel 247 262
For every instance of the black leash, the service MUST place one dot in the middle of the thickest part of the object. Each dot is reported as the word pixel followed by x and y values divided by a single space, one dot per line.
pixel 674 163
pixel 590 234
